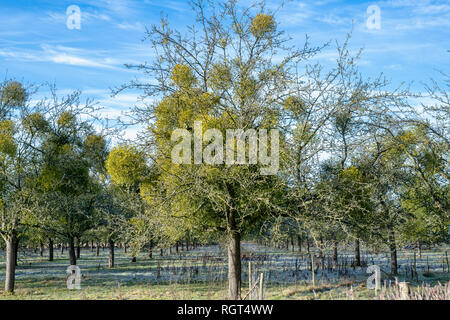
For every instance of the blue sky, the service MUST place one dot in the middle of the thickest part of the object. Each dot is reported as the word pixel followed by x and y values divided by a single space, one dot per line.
pixel 36 46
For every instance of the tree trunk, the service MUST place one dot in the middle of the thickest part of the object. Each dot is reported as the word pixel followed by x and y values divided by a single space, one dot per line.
pixel 92 246
pixel 419 249
pixel 72 257
pixel 176 247
pixel 321 249
pixel 111 253
pixel 234 266
pixel 16 249
pixel 50 250
pixel 11 259
pixel 150 251
pixel 393 250
pixel 299 241
pixel 125 248
pixel 78 249
pixel 41 249
pixel 357 254
pixel 335 252
pixel 307 246
pixel 321 255
pixel 97 250
pixel 292 244
pixel 161 253
pixel 62 248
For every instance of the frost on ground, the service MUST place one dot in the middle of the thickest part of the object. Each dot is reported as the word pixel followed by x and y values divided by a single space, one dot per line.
pixel 209 264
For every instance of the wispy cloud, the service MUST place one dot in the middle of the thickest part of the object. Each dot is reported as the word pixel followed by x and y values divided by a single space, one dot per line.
pixel 296 13
pixel 415 14
pixel 62 55
pixel 116 8
pixel 432 9
pixel 171 5
pixel 64 58
pixel 137 26
pixel 334 19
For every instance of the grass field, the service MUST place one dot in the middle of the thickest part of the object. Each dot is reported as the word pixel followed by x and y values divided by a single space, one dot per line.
pixel 202 274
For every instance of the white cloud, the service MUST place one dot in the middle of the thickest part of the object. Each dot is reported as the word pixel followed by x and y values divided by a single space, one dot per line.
pixel 432 9
pixel 423 23
pixel 131 26
pixel 295 13
pixel 172 5
pixel 65 55
pixel 118 8
pixel 77 61
pixel 334 19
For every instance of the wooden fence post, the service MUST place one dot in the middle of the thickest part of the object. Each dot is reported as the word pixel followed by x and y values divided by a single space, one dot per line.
pixel 404 290
pixel 250 278
pixel 312 270
pixel 261 286
pixel 446 258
